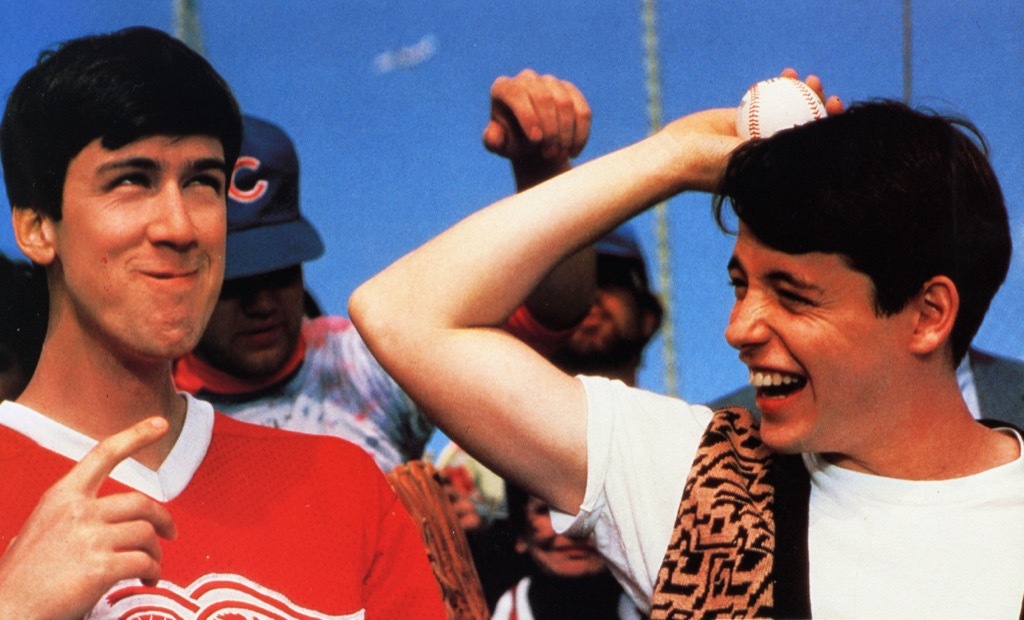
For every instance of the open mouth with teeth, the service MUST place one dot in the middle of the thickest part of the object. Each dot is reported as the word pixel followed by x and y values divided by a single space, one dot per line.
pixel 776 384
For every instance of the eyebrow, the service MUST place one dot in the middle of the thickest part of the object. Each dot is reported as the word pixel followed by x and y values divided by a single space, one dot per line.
pixel 779 276
pixel 208 163
pixel 145 163
pixel 792 280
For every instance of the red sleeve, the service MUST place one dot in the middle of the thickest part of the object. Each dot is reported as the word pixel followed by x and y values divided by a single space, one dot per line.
pixel 524 326
pixel 400 582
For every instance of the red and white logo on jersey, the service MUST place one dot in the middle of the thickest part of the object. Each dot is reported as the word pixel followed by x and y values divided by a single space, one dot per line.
pixel 246 162
pixel 212 597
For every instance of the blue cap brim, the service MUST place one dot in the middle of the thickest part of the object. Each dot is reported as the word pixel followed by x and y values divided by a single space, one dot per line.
pixel 268 248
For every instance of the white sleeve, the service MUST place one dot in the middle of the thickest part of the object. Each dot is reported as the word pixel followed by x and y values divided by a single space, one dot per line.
pixel 640 447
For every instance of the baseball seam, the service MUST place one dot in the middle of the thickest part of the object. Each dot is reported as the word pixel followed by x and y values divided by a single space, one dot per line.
pixel 812 102
pixel 753 113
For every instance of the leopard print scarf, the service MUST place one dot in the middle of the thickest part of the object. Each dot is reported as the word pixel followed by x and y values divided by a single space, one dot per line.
pixel 728 556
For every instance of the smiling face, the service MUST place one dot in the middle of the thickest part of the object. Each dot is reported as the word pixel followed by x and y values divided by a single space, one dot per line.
pixel 139 249
pixel 556 554
pixel 256 324
pixel 826 366
pixel 612 328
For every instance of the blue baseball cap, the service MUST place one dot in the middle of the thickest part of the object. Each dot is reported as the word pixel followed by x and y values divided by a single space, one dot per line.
pixel 628 263
pixel 266 230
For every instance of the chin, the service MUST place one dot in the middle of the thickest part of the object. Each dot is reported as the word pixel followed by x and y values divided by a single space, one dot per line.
pixel 783 440
pixel 261 367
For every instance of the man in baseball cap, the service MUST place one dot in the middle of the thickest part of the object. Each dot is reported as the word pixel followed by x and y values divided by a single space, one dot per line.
pixel 266 230
pixel 262 359
pixel 265 359
pixel 625 315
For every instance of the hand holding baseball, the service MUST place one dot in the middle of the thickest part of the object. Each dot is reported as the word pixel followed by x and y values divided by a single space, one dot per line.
pixel 783 102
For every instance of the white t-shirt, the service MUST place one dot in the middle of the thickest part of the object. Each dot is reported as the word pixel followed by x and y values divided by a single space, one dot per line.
pixel 877 546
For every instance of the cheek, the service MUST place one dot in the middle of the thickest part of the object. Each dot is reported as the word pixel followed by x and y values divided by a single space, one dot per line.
pixel 210 221
pixel 292 301
pixel 225 314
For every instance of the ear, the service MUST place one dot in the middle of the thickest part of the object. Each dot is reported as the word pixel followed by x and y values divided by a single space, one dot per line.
pixel 934 310
pixel 650 321
pixel 35 234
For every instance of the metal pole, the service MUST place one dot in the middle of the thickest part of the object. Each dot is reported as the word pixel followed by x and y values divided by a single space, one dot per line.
pixel 186 23
pixel 661 210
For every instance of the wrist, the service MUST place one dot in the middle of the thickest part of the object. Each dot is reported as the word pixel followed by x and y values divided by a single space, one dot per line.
pixel 529 172
pixel 691 161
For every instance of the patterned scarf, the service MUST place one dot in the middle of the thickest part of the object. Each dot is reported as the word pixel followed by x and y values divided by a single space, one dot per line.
pixel 729 555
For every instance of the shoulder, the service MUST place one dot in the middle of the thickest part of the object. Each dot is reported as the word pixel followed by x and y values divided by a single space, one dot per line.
pixel 984 362
pixel 606 397
pixel 999 384
pixel 332 342
pixel 514 602
pixel 312 450
pixel 744 397
pixel 317 331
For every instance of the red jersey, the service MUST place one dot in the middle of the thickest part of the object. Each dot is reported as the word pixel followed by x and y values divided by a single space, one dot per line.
pixel 270 523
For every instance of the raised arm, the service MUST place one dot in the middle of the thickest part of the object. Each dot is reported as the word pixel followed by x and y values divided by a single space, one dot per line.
pixel 539 123
pixel 498 399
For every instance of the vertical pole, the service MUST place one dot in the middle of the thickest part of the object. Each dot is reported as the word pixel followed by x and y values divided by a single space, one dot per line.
pixel 186 23
pixel 653 71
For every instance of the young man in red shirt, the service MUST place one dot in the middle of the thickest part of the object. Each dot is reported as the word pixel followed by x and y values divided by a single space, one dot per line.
pixel 121 495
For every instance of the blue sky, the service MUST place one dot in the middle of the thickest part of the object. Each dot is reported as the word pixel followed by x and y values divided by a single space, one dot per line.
pixel 391 158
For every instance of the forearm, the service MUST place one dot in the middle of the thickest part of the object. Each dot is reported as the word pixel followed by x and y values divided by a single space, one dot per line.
pixel 498 399
pixel 562 297
pixel 499 254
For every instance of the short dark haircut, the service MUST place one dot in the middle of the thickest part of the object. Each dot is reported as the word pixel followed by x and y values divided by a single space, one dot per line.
pixel 119 87
pixel 902 195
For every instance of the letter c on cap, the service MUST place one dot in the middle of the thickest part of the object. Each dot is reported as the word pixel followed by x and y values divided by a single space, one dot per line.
pixel 249 195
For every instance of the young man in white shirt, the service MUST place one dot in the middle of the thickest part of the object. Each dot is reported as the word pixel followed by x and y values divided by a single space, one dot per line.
pixel 869 246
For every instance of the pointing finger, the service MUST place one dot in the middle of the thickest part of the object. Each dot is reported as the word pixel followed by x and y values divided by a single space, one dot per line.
pixel 95 466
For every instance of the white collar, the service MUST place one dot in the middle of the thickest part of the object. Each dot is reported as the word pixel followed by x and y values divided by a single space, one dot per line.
pixel 162 485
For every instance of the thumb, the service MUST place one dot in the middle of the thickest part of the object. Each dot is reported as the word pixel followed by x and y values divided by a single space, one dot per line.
pixel 494 137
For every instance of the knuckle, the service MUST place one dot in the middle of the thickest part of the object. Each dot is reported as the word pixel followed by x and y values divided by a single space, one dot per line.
pixel 80 510
pixel 99 569
pixel 544 98
pixel 500 83
pixel 105 450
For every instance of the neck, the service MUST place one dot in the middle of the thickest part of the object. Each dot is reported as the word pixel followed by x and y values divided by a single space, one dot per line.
pixel 85 387
pixel 929 436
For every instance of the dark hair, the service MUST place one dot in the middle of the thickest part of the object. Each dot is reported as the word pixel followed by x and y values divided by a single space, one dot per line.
pixel 516 500
pixel 118 87
pixel 902 195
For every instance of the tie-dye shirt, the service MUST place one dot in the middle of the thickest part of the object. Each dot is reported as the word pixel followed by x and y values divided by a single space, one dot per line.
pixel 334 386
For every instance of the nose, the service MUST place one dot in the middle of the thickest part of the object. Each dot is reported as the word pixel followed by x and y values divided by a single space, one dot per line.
pixel 748 325
pixel 172 226
pixel 259 302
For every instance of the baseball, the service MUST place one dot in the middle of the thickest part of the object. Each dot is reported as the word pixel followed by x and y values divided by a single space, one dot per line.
pixel 776 104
